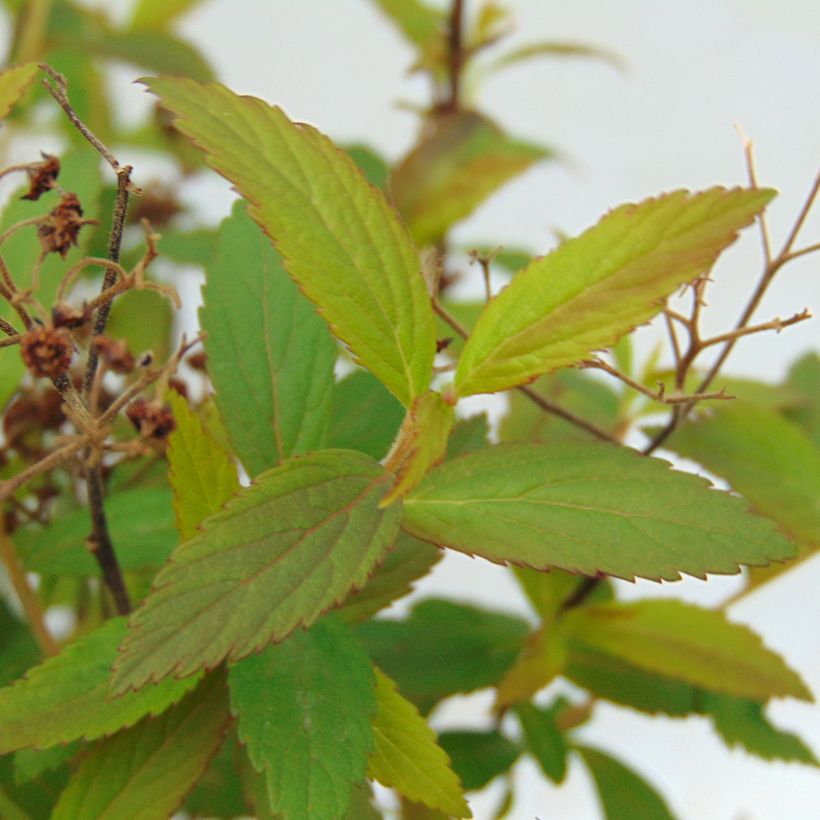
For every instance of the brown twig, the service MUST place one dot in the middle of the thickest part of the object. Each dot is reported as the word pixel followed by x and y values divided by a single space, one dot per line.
pixel 8 328
pixel 27 596
pixel 535 397
pixel 455 55
pixel 776 324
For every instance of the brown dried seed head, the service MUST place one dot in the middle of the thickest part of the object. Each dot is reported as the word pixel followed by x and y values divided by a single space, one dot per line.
pixel 64 315
pixel 46 351
pixel 151 420
pixel 42 176
pixel 198 361
pixel 115 353
pixel 158 204
pixel 60 229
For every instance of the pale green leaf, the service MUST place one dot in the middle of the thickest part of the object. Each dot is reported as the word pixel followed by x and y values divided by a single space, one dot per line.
pixel 542 659
pixel 687 643
pixel 741 722
pixel 14 82
pixel 429 662
pixel 202 475
pixel 364 415
pixel 65 697
pixel 590 508
pixel 144 772
pixel 421 443
pixel 409 560
pixel 406 756
pixel 372 165
pixel 305 708
pixel 341 241
pixel 624 795
pixel 418 21
pixel 468 435
pixel 804 376
pixel 270 356
pixel 555 48
pixel 595 288
pixel 766 458
pixel 141 523
pixel 129 321
pixel 544 740
pixel 462 159
pixel 283 551
pixel 478 757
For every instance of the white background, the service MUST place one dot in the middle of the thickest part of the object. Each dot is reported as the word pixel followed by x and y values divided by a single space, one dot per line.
pixel 695 68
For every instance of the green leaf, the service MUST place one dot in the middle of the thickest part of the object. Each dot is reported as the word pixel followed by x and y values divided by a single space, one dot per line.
pixel 14 82
pixel 591 508
pixel 159 14
pixel 270 356
pixel 219 792
pixel 545 741
pixel 305 709
pixel 202 475
pixel 742 722
pixel 341 241
pixel 478 757
pixel 462 159
pixel 468 435
pixel 595 288
pixel 31 764
pixel 623 794
pixel 196 247
pixel 364 415
pixel 64 698
pixel 409 560
pixel 429 663
pixel 144 772
pixel 283 551
pixel 18 649
pixel 419 22
pixel 421 443
pixel 406 756
pixel 559 49
pixel 804 376
pixel 372 165
pixel 543 657
pixel 144 318
pixel 685 642
pixel 766 458
pixel 141 523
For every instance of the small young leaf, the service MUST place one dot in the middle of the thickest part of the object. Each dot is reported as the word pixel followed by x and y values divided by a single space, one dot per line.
pixel 623 794
pixel 591 508
pixel 65 698
pixel 159 14
pixel 305 708
pixel 478 757
pixel 409 560
pixel 283 551
pixel 406 756
pixel 429 663
pixel 766 458
pixel 14 82
pixel 421 443
pixel 418 21
pixel 141 522
pixel 145 771
pixel 595 288
pixel 461 160
pixel 559 49
pixel 201 474
pixel 545 741
pixel 695 645
pixel 340 240
pixel 364 415
pixel 270 356
pixel 742 722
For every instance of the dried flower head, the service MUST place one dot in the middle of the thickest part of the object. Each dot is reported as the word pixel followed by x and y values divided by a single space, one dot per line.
pixel 60 229
pixel 47 351
pixel 115 353
pixel 157 203
pixel 151 420
pixel 64 315
pixel 42 176
pixel 198 361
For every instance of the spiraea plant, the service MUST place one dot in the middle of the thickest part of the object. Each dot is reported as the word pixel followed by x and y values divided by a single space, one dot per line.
pixel 222 520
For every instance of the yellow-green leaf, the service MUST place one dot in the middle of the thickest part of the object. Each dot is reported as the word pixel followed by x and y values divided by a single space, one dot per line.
pixel 340 239
pixel 14 82
pixel 462 159
pixel 595 288
pixel 202 475
pixel 406 756
pixel 685 642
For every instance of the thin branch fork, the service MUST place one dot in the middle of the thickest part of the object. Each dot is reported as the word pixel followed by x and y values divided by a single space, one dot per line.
pixel 659 395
